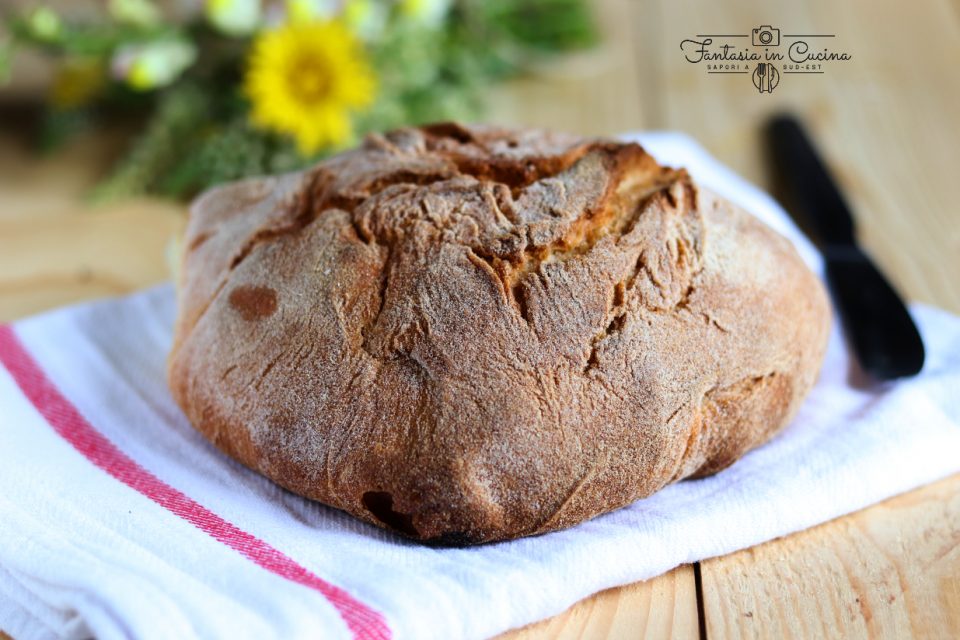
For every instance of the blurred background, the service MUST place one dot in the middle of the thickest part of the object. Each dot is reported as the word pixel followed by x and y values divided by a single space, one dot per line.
pixel 114 113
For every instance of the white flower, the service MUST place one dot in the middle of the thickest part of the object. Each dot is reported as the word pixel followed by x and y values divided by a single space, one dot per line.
pixel 234 17
pixel 152 65
pixel 45 24
pixel 366 18
pixel 430 13
pixel 309 10
pixel 141 13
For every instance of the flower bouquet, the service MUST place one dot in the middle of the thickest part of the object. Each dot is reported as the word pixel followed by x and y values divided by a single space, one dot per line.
pixel 232 88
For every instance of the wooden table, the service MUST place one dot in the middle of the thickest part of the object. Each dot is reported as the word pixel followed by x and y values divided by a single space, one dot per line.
pixel 886 121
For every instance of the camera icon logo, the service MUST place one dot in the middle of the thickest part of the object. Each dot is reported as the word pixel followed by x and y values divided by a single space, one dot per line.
pixel 766 36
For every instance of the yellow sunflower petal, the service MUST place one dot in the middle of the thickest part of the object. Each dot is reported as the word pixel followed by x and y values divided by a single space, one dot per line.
pixel 305 80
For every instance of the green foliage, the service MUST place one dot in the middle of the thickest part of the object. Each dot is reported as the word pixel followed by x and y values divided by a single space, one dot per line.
pixel 547 25
pixel 84 39
pixel 166 141
pixel 6 61
pixel 196 131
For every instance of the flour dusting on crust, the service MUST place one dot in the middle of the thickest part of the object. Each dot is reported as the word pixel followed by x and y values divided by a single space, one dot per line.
pixel 467 334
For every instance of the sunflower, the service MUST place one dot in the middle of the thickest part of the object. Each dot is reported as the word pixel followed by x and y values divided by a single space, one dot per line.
pixel 305 80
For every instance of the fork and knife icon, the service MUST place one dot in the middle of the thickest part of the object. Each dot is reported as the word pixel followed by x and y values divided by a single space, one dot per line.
pixel 765 77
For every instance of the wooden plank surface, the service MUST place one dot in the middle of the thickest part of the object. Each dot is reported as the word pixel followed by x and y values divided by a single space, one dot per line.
pixel 890 571
pixel 886 122
pixel 665 607
pixel 55 248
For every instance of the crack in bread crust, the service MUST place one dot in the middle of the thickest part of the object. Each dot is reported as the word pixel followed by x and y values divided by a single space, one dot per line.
pixel 470 334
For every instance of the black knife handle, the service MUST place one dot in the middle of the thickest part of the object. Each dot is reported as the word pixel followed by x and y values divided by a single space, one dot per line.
pixel 877 322
pixel 808 183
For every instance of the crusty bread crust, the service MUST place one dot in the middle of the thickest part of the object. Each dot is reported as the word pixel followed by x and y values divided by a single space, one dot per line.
pixel 467 334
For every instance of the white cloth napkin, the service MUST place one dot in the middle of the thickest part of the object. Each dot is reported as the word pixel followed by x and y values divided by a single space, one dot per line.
pixel 118 520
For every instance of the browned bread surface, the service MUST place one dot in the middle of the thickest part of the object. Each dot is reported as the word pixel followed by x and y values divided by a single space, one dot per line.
pixel 468 334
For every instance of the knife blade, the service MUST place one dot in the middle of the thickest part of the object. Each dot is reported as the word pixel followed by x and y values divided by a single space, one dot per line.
pixel 879 327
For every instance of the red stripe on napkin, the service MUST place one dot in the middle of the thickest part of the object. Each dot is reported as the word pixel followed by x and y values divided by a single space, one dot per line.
pixel 363 622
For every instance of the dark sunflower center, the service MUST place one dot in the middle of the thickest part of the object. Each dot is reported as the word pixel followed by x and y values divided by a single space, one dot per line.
pixel 310 79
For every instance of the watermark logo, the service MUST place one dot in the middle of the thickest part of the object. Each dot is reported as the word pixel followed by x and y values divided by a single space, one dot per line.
pixel 765 77
pixel 766 36
pixel 763 54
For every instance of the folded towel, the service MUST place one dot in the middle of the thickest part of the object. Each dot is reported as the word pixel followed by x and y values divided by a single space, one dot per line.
pixel 118 520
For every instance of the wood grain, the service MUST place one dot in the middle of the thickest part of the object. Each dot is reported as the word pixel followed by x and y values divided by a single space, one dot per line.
pixel 665 607
pixel 55 248
pixel 890 571
pixel 886 122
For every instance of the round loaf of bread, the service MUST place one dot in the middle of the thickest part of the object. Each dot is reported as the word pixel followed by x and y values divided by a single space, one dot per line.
pixel 467 334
